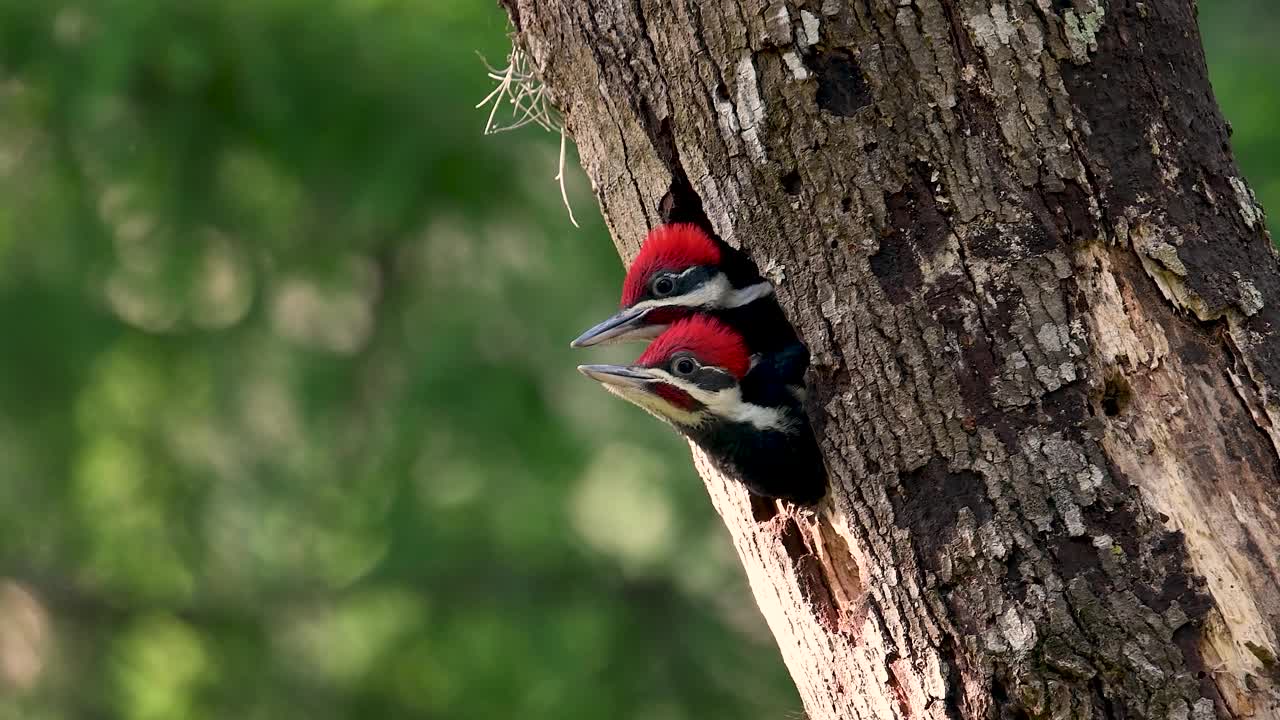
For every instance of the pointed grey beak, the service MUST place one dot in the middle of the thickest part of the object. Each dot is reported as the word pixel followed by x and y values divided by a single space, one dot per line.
pixel 617 375
pixel 627 324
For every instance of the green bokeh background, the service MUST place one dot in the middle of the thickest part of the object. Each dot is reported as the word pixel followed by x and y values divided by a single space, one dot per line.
pixel 289 426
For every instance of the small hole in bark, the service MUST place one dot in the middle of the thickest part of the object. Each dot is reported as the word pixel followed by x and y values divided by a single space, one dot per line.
pixel 1065 4
pixel 722 93
pixel 871 146
pixel 835 244
pixel 791 183
pixel 1076 556
pixel 763 509
pixel 846 203
pixel 793 540
pixel 842 89
pixel 1116 395
pixel 1000 693
pixel 682 204
pixel 1110 406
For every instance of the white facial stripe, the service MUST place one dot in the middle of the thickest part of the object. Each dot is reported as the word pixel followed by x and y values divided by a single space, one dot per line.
pixel 709 294
pixel 714 293
pixel 728 404
pixel 663 302
pixel 749 294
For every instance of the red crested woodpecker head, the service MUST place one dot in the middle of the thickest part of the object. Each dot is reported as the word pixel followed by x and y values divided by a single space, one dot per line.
pixel 680 270
pixel 690 377
pixel 668 248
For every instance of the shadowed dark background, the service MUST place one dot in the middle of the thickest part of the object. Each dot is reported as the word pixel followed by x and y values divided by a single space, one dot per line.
pixel 289 426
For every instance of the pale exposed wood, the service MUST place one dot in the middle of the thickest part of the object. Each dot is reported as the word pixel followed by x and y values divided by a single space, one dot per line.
pixel 1043 309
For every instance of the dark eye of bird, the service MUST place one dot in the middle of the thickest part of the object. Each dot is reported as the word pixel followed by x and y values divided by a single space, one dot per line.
pixel 663 286
pixel 685 366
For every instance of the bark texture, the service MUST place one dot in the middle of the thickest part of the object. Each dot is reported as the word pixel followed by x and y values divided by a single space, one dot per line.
pixel 1042 305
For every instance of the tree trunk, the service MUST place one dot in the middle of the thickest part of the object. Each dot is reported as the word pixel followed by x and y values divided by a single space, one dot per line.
pixel 1042 306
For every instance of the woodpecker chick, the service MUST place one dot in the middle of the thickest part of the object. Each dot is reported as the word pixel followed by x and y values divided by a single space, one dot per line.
pixel 681 270
pixel 700 377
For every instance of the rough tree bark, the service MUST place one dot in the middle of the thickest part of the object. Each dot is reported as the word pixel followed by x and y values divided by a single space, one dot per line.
pixel 1042 305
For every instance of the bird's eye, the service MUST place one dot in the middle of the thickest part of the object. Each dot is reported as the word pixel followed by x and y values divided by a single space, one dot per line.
pixel 684 366
pixel 664 286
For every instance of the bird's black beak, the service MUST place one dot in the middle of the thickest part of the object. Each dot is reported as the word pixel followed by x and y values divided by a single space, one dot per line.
pixel 619 376
pixel 626 325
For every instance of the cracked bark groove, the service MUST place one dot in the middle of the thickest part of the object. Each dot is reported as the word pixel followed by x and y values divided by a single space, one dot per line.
pixel 1042 305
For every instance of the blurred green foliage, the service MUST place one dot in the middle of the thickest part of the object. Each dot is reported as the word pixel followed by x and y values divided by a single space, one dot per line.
pixel 1240 42
pixel 288 421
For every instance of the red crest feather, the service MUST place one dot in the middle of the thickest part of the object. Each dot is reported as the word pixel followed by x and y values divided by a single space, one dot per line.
pixel 668 247
pixel 711 341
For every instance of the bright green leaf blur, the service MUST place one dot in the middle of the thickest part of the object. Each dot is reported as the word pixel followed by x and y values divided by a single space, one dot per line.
pixel 289 426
